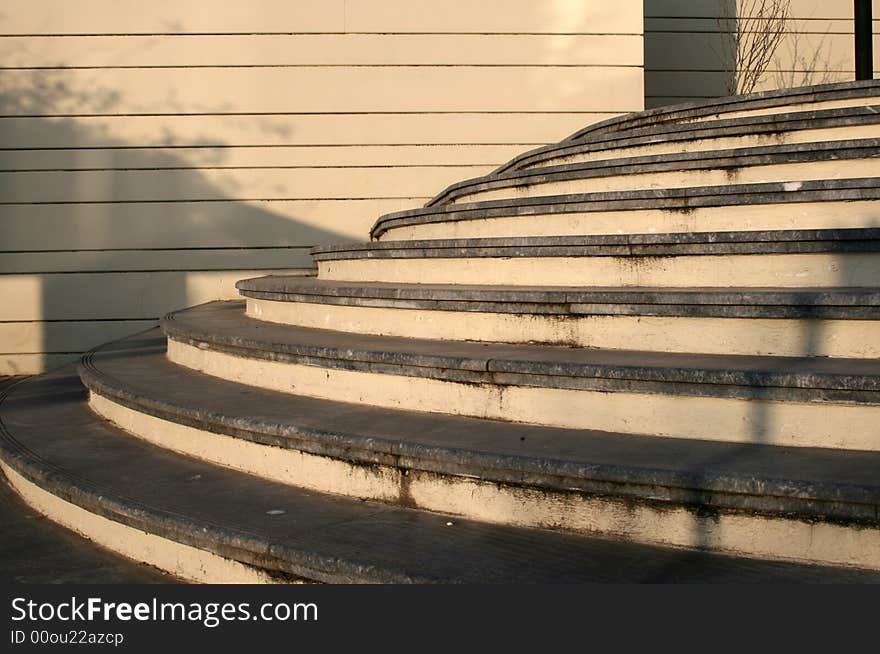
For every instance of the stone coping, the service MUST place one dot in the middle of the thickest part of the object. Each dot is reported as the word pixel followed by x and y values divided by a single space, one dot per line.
pixel 828 303
pixel 223 327
pixel 679 132
pixel 810 482
pixel 672 199
pixel 729 159
pixel 51 438
pixel 615 245
pixel 758 100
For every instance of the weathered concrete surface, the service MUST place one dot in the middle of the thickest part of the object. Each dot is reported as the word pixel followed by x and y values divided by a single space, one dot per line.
pixel 318 536
pixel 223 326
pixel 588 213
pixel 815 483
pixel 788 241
pixel 35 550
pixel 709 134
pixel 800 161
pixel 843 303
pixel 733 106
pixel 786 258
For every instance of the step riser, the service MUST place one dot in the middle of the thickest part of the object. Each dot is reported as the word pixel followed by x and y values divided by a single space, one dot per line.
pixel 752 336
pixel 743 217
pixel 802 171
pixel 647 522
pixel 704 144
pixel 805 424
pixel 715 271
pixel 349 432
pixel 183 561
pixel 289 466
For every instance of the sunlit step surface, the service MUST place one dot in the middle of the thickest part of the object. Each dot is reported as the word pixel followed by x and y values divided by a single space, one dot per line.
pixel 789 163
pixel 810 402
pixel 824 96
pixel 778 129
pixel 816 204
pixel 212 524
pixel 581 481
pixel 787 322
pixel 784 259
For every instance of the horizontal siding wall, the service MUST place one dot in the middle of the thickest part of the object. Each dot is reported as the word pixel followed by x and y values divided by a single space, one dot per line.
pixel 151 154
pixel 682 61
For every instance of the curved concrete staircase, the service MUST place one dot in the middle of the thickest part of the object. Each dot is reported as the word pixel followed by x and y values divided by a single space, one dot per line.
pixel 648 352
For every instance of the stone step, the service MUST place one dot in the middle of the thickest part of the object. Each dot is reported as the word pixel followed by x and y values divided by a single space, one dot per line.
pixel 632 486
pixel 841 322
pixel 34 550
pixel 209 523
pixel 784 258
pixel 803 98
pixel 776 163
pixel 816 204
pixel 800 401
pixel 725 133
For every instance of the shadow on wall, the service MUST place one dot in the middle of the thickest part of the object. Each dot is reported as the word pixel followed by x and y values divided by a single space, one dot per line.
pixel 99 242
pixel 687 50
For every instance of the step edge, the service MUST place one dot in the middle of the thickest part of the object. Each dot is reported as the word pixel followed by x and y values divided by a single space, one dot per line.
pixel 805 500
pixel 685 199
pixel 753 384
pixel 798 153
pixel 224 541
pixel 834 91
pixel 699 130
pixel 577 304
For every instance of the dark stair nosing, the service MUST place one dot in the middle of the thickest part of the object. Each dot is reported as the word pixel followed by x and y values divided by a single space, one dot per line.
pixel 320 537
pixel 728 104
pixel 807 482
pixel 35 550
pixel 672 199
pixel 222 326
pixel 772 124
pixel 729 159
pixel 801 241
pixel 825 303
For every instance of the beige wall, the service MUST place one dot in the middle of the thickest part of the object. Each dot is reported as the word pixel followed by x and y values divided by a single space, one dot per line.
pixel 681 46
pixel 151 153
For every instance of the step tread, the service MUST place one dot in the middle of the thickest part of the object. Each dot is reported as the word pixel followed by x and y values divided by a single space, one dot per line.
pixel 814 481
pixel 53 439
pixel 770 124
pixel 726 104
pixel 224 324
pixel 780 121
pixel 668 162
pixel 690 198
pixel 794 303
pixel 34 550
pixel 294 285
pixel 787 241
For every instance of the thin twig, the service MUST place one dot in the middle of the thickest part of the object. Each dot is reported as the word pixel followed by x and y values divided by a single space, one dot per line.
pixel 751 32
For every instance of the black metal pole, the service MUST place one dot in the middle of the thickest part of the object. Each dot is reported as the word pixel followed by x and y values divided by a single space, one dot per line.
pixel 864 45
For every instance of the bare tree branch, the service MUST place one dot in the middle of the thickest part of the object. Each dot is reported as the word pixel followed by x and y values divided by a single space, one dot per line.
pixel 805 65
pixel 752 31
